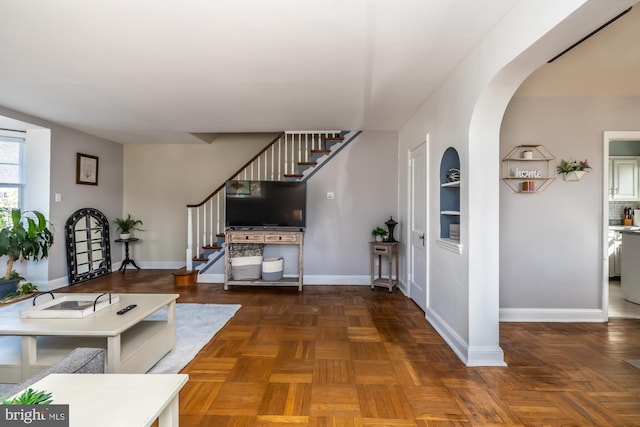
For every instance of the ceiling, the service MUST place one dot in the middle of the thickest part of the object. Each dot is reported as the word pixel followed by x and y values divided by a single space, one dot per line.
pixel 156 71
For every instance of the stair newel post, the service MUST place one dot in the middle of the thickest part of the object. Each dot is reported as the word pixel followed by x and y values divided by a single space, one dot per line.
pixel 189 239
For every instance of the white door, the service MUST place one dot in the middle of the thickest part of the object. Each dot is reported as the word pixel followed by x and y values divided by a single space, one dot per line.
pixel 418 226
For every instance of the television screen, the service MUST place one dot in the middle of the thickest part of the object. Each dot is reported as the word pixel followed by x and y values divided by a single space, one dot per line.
pixel 265 204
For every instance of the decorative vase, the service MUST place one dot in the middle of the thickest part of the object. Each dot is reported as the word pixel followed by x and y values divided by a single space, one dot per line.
pixel 574 175
pixel 125 236
pixel 378 238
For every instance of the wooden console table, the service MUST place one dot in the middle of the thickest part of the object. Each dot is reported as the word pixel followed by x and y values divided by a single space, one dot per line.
pixel 266 237
pixel 390 250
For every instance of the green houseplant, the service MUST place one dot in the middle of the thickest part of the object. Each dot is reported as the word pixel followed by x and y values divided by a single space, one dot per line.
pixel 30 397
pixel 125 225
pixel 379 233
pixel 573 170
pixel 26 237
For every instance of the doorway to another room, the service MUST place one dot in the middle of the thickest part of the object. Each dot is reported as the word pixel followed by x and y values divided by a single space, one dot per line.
pixel 621 198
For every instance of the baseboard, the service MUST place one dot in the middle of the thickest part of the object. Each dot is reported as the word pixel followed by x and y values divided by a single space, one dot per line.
pixel 552 315
pixel 315 279
pixel 307 280
pixel 51 285
pixel 211 278
pixel 157 265
pixel 470 356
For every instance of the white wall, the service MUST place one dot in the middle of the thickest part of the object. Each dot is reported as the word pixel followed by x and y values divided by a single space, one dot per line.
pixel 364 179
pixel 466 113
pixel 551 242
pixel 160 180
pixel 106 196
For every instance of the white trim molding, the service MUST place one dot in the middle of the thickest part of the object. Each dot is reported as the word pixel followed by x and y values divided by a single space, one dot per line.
pixel 469 355
pixel 552 315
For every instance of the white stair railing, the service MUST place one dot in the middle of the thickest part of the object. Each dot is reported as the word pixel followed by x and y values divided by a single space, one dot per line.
pixel 279 159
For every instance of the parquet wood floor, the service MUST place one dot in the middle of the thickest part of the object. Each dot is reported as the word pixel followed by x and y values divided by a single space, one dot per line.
pixel 350 356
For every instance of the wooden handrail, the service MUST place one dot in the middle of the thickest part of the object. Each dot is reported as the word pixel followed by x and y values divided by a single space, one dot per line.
pixel 273 141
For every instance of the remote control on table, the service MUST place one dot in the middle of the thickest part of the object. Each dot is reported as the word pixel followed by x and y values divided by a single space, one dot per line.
pixel 127 308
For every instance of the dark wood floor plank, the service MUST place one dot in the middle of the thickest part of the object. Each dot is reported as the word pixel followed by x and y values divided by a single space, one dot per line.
pixel 350 356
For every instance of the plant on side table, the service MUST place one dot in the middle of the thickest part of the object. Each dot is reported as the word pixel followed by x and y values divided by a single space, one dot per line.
pixel 379 234
pixel 125 225
pixel 26 237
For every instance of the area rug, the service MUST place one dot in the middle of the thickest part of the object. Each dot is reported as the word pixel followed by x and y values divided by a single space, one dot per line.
pixel 632 362
pixel 196 324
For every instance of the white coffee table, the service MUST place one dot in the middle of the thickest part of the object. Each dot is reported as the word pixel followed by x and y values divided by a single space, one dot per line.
pixel 123 400
pixel 133 344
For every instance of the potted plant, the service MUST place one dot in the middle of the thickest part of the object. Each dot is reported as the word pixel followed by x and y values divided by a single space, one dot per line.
pixel 573 170
pixel 22 289
pixel 30 397
pixel 125 225
pixel 379 234
pixel 26 237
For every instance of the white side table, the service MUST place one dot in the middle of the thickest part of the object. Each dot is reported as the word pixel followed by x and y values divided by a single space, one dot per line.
pixel 123 400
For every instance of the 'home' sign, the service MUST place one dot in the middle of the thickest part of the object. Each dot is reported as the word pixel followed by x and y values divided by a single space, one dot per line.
pixel 521 173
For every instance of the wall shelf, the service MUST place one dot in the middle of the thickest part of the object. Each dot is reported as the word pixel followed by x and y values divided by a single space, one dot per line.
pixel 450 195
pixel 528 168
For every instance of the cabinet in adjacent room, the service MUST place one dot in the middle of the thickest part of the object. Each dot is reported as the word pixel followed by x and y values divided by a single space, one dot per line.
pixel 615 252
pixel 623 179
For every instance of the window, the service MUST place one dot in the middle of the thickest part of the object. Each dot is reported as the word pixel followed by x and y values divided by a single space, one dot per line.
pixel 11 174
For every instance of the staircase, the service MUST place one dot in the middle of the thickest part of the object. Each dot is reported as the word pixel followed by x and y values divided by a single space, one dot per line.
pixel 291 156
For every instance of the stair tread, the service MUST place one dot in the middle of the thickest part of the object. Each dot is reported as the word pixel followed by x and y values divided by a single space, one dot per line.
pixel 320 151
pixel 200 258
pixel 334 138
pixel 307 163
pixel 293 175
pixel 212 247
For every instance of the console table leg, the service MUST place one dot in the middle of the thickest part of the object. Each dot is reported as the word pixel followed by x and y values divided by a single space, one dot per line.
pixel 169 415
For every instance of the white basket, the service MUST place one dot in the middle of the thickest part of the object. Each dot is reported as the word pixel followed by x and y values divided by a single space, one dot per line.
pixel 246 268
pixel 246 260
pixel 272 268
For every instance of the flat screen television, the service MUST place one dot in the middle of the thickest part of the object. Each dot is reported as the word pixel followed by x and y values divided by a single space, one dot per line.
pixel 265 204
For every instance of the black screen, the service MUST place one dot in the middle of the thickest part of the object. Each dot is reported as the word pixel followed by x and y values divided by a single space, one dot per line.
pixel 265 204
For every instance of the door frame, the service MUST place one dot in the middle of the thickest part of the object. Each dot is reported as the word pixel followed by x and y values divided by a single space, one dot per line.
pixel 427 224
pixel 607 137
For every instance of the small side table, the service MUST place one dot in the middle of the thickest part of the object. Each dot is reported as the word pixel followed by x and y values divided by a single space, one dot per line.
pixel 126 261
pixel 390 250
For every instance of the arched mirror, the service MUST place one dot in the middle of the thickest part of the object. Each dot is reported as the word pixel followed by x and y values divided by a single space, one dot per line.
pixel 88 250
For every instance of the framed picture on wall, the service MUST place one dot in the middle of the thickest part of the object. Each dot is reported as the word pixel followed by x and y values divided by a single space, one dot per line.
pixel 86 169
